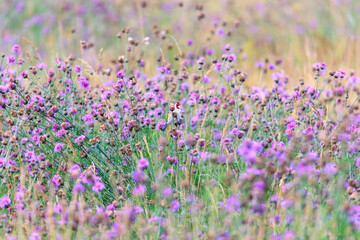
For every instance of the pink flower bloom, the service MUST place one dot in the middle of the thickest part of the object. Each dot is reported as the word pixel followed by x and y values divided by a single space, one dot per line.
pixel 98 186
pixel 11 60
pixel 84 83
pixel 77 69
pixel 175 205
pixel 41 66
pixel 58 147
pixel 16 48
pixel 143 163
pixel 120 74
pixel 56 180
pixel 139 190
pixel 5 201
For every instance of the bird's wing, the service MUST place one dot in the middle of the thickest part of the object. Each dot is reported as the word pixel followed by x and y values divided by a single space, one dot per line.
pixel 170 117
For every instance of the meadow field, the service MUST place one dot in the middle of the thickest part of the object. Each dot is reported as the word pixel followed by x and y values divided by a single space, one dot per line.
pixel 179 119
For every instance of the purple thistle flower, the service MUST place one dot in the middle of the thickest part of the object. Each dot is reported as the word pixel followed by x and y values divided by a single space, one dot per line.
pixel 77 69
pixel 231 57
pixel 138 176
pixel 143 163
pixel 259 65
pixel 16 48
pixel 58 147
pixel 161 124
pixel 41 66
pixel 58 209
pixel 5 201
pixel 175 205
pixel 220 31
pixel 79 140
pixel 61 133
pixel 78 188
pixel 233 203
pixel 98 186
pixel 167 192
pixel 75 171
pixel 11 60
pixel 56 180
pixel 206 79
pixel 189 42
pixel 271 66
pixel 248 150
pixel 185 86
pixel 218 67
pixel 139 190
pixel 35 236
pixel 84 83
pixel 330 169
pixel 209 51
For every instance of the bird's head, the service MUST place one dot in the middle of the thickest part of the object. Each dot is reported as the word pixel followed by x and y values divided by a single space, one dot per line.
pixel 177 105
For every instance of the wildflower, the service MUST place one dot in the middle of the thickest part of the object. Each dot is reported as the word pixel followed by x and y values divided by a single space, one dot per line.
pixel 16 48
pixel 58 209
pixel 159 112
pixel 35 236
pixel 61 133
pixel 75 171
pixel 172 160
pixel 154 219
pixel 278 61
pixel 209 51
pixel 290 127
pixel 201 61
pixel 98 186
pixel 143 163
pixel 320 68
pixel 223 236
pixel 218 67
pixel 353 80
pixel 88 119
pixel 77 69
pixel 5 201
pixel 41 66
pixel 56 180
pixel 11 60
pixel 220 31
pixel 106 95
pixel 58 147
pixel 259 65
pixel 249 149
pixel 339 74
pixel 205 79
pixel 167 192
pixel 78 188
pixel 138 176
pixel 149 96
pixel 84 83
pixel 161 125
pixel 175 205
pixel 271 66
pixel 189 42
pixel 233 203
pixel 236 132
pixel 330 169
pixel 289 235
pixel 139 190
pixel 231 58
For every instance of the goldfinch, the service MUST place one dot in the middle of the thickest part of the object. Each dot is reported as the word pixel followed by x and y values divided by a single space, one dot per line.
pixel 174 115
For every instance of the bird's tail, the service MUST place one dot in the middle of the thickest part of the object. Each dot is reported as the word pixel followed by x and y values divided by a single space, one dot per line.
pixel 166 125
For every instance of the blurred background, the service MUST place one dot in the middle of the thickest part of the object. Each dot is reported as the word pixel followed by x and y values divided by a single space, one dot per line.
pixel 300 32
